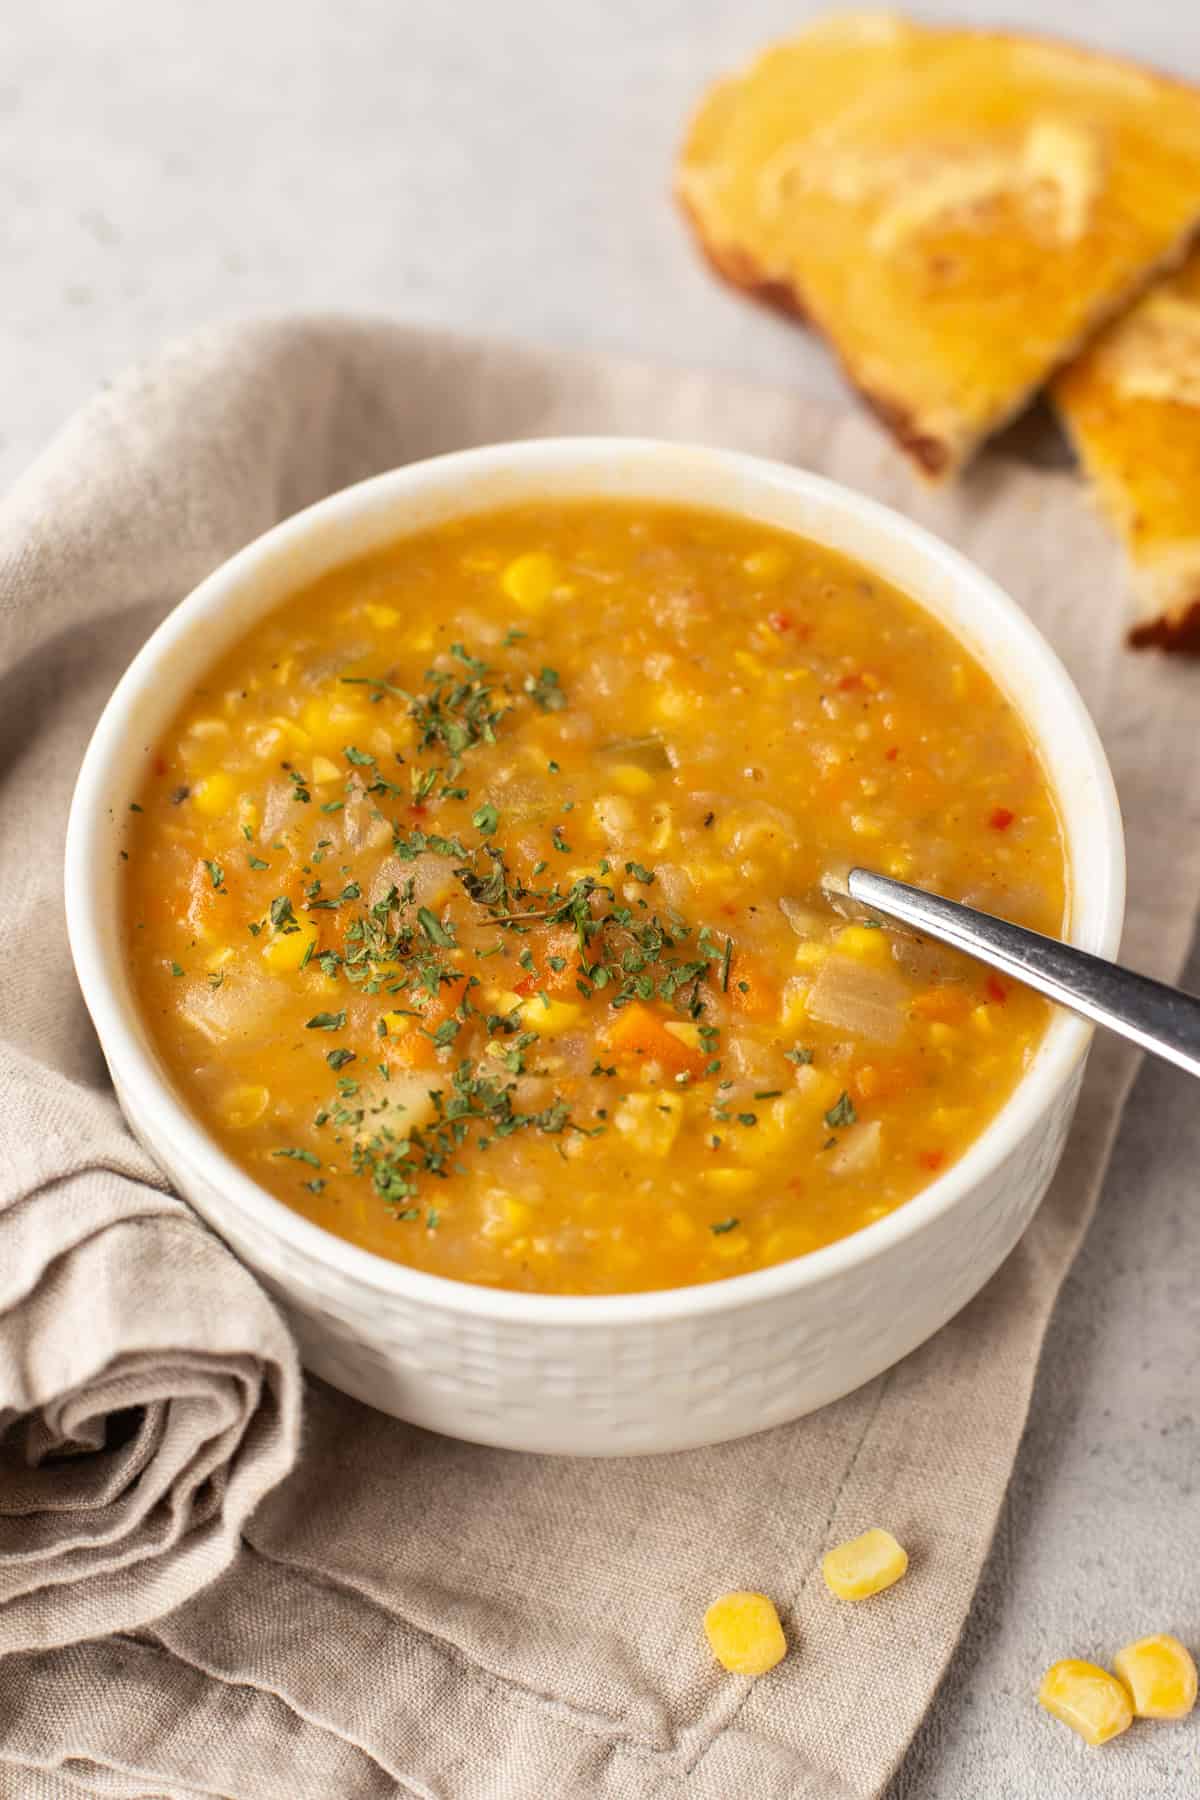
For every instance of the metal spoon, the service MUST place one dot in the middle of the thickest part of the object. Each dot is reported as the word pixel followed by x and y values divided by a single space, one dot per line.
pixel 1162 1019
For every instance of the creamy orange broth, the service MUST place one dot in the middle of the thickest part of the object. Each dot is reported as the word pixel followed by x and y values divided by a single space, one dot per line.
pixel 478 900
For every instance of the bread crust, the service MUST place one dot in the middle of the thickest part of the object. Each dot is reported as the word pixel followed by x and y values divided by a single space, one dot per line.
pixel 935 455
pixel 1178 630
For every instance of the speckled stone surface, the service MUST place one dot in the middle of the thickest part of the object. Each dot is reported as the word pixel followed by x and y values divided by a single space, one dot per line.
pixel 507 167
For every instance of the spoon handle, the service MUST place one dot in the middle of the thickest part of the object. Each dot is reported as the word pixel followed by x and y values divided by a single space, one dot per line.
pixel 1161 1019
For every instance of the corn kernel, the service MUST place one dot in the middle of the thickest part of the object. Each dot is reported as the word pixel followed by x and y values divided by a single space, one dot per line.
pixel 324 771
pixel 292 734
pixel 395 1024
pixel 729 1181
pixel 529 580
pixel 865 943
pixel 730 1244
pixel 504 1216
pixel 864 1565
pixel 744 1633
pixel 673 703
pixel 864 826
pixel 287 949
pixel 899 865
pixel 549 1017
pixel 383 618
pixel 1087 1698
pixel 681 1227
pixel 331 724
pixel 1160 1675
pixel 767 564
pixel 243 1105
pixel 630 779
pixel 793 1004
pixel 215 794
pixel 687 1034
pixel 810 954
pixel 942 1035
pixel 748 663
pixel 981 1018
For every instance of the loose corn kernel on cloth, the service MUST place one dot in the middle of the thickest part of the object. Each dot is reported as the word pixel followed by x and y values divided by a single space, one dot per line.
pixel 200 1595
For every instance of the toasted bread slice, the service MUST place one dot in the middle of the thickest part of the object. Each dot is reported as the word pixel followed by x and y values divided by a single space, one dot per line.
pixel 955 210
pixel 1131 404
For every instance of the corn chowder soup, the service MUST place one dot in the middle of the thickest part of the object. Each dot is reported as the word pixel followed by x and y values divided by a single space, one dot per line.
pixel 484 904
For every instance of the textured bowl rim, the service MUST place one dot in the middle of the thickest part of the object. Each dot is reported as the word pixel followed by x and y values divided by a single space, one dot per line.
pixel 997 619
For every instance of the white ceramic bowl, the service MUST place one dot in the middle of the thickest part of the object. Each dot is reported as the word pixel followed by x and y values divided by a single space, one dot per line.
pixel 637 1372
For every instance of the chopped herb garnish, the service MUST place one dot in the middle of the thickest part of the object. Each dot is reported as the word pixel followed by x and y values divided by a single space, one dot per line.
pixel 281 915
pixel 799 1054
pixel 724 1225
pixel 434 930
pixel 485 819
pixel 304 1156
pixel 337 1059
pixel 546 691
pixel 325 1021
pixel 256 862
pixel 176 968
pixel 841 1113
pixel 216 872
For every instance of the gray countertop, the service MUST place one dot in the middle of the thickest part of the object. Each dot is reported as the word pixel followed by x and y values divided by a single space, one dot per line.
pixel 506 167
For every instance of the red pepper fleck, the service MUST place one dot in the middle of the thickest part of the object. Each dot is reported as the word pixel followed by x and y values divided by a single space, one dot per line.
pixel 892 754
pixel 779 621
pixel 932 1159
pixel 995 990
pixel 418 809
pixel 850 681
pixel 528 985
pixel 1001 819
pixel 160 765
pixel 730 908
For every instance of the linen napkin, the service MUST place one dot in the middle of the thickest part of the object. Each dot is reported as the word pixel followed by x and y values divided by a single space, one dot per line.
pixel 405 1614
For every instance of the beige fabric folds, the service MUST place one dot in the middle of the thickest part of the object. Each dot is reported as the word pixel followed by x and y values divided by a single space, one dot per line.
pixel 405 1615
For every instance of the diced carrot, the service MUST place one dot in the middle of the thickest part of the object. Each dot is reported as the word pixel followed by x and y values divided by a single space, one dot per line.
pixel 891 754
pixel 1001 818
pixel 637 1035
pixel 883 1078
pixel 436 1007
pixel 946 1005
pixel 563 946
pixel 413 1050
pixel 995 990
pixel 751 989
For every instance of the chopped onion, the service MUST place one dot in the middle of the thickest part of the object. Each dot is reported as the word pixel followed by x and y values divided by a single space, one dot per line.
pixel 648 752
pixel 858 1150
pixel 855 997
pixel 929 963
pixel 805 921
